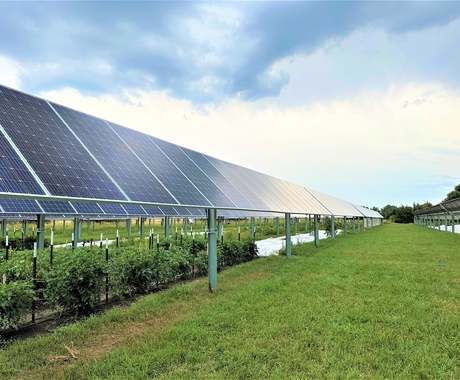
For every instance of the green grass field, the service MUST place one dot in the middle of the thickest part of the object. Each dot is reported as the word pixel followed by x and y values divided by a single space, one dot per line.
pixel 383 304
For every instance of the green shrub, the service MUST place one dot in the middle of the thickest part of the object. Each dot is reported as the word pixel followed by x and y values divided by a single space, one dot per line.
pixel 15 299
pixel 75 281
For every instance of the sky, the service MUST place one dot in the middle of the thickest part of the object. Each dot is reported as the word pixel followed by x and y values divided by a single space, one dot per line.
pixel 358 100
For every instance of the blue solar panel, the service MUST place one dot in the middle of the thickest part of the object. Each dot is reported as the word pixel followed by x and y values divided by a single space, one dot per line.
pixel 134 210
pixel 56 156
pixel 163 168
pixel 115 156
pixel 58 207
pixel 87 208
pixel 226 169
pixel 194 174
pixel 168 211
pixel 217 177
pixel 20 205
pixel 112 209
pixel 14 175
pixel 152 210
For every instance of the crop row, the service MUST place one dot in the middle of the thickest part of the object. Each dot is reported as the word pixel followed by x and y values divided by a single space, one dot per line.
pixel 77 280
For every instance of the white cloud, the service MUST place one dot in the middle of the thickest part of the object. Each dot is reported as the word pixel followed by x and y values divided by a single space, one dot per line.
pixel 10 71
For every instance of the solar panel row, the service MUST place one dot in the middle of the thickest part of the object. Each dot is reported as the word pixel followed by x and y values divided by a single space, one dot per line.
pixel 49 149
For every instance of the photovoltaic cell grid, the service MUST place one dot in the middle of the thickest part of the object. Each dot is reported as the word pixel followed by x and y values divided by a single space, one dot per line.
pixel 194 173
pixel 76 155
pixel 55 155
pixel 115 157
pixel 168 174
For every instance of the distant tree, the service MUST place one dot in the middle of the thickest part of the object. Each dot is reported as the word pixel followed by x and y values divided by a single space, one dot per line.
pixel 388 211
pixel 454 193
pixel 375 209
pixel 418 206
pixel 403 214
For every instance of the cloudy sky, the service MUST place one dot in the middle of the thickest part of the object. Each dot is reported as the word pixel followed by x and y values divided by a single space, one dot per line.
pixel 359 100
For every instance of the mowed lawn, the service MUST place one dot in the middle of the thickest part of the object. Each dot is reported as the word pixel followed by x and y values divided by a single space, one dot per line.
pixel 382 304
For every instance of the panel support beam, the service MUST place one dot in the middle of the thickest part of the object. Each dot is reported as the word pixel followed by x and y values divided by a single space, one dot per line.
pixel 212 250
pixel 288 235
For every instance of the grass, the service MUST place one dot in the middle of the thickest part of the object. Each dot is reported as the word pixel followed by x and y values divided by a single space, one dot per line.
pixel 383 304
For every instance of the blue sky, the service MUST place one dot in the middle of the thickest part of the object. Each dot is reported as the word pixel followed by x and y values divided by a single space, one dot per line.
pixel 359 100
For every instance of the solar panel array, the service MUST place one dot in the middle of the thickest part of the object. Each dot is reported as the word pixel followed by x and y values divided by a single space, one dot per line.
pixel 69 163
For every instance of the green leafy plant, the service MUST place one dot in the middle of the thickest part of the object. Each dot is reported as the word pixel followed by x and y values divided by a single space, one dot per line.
pixel 15 299
pixel 75 282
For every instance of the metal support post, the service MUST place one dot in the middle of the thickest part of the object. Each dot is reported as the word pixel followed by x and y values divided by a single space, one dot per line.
pixel 128 226
pixel 354 229
pixel 75 233
pixel 40 232
pixel 3 227
pixel 253 228
pixel 220 228
pixel 445 222
pixel 212 250
pixel 344 226
pixel 359 224
pixel 277 222
pixel 315 217
pixel 288 235
pixel 453 223
pixel 142 228
pixel 166 224
pixel 332 228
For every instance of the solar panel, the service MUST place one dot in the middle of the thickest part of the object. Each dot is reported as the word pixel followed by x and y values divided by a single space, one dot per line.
pixel 152 210
pixel 263 192
pixel 168 211
pixel 20 205
pixel 114 155
pixel 194 174
pixel 57 207
pixel 225 168
pixel 14 175
pixel 87 208
pixel 217 178
pixel 112 209
pixel 163 168
pixel 56 156
pixel 134 210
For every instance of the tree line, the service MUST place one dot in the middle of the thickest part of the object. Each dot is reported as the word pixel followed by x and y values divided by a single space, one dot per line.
pixel 403 214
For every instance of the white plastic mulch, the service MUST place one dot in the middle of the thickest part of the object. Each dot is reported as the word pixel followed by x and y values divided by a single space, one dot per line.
pixel 442 227
pixel 272 246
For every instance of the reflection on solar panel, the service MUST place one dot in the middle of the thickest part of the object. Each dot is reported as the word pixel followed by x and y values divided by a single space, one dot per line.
pixel 134 210
pixel 218 179
pixel 225 169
